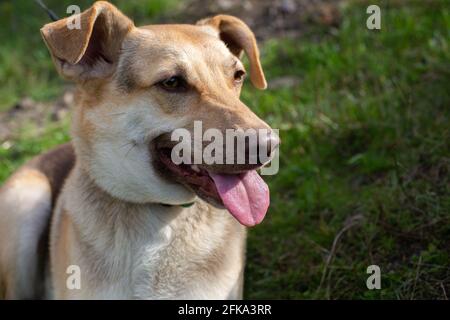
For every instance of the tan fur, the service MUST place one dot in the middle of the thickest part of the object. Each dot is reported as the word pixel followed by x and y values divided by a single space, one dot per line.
pixel 112 212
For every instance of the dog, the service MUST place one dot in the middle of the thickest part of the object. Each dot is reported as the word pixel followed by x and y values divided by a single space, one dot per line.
pixel 110 206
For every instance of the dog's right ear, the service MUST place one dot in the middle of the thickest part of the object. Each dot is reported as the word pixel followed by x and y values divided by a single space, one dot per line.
pixel 90 49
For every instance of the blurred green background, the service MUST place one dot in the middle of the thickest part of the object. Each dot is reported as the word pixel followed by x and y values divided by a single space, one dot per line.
pixel 364 122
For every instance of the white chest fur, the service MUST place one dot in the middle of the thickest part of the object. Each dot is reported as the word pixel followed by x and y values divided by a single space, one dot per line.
pixel 154 252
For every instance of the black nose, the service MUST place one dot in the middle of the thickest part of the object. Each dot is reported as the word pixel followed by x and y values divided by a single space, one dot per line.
pixel 273 141
pixel 259 148
pixel 267 144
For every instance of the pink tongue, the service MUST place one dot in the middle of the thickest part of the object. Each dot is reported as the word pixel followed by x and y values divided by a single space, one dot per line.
pixel 246 196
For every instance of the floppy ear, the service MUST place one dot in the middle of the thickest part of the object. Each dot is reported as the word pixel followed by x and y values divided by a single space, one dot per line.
pixel 238 37
pixel 91 49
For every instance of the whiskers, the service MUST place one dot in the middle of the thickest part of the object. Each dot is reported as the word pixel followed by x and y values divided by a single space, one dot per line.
pixel 132 144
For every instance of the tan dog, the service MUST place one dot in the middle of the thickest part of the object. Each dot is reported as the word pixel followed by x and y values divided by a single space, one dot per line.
pixel 111 202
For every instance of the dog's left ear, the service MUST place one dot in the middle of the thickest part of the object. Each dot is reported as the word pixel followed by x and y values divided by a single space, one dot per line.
pixel 238 37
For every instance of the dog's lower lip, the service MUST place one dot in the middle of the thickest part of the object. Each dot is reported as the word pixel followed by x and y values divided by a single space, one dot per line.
pixel 194 176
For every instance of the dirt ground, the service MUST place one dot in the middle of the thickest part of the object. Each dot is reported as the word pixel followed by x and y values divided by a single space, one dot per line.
pixel 269 18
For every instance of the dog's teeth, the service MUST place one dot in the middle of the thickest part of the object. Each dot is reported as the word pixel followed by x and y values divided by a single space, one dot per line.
pixel 195 168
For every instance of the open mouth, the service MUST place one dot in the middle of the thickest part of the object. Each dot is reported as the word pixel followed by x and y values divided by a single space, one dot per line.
pixel 245 194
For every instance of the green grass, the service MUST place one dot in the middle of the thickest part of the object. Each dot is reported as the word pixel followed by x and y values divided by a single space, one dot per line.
pixel 365 150
pixel 365 134
pixel 30 141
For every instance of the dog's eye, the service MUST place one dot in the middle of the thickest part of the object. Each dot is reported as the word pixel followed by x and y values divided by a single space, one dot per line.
pixel 173 84
pixel 239 76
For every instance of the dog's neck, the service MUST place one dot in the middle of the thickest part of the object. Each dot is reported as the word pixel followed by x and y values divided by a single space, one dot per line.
pixel 85 177
pixel 99 201
pixel 121 240
pixel 90 202
pixel 122 222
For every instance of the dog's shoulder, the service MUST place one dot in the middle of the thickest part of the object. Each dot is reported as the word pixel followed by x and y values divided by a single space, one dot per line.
pixel 56 165
pixel 26 202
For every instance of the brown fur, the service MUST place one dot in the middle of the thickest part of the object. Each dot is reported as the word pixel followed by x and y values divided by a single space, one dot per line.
pixel 112 211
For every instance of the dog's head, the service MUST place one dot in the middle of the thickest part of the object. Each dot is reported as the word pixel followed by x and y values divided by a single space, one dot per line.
pixel 138 85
